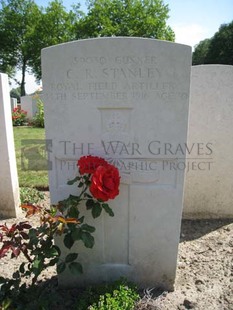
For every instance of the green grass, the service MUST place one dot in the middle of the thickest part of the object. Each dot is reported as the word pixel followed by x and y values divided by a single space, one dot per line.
pixel 29 170
pixel 119 295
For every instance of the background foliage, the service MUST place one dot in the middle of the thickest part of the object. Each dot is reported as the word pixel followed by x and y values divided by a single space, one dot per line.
pixel 125 18
pixel 26 28
pixel 18 21
pixel 216 50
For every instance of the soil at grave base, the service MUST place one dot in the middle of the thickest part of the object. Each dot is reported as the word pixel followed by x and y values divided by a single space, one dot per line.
pixel 204 278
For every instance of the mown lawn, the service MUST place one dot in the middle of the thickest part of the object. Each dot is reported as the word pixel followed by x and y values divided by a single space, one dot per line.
pixel 30 157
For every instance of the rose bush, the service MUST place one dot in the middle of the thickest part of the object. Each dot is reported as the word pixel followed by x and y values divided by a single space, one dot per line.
pixel 97 182
pixel 18 116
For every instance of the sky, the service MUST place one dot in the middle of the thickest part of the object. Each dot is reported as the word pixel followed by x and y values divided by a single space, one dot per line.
pixel 191 20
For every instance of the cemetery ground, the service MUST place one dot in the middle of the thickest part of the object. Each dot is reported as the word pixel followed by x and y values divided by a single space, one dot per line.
pixel 204 274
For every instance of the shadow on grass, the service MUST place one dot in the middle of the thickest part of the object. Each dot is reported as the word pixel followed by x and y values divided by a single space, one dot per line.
pixel 194 229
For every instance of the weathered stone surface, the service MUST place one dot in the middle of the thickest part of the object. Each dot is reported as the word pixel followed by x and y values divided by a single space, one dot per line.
pixel 122 98
pixel 9 186
pixel 13 103
pixel 209 183
pixel 29 104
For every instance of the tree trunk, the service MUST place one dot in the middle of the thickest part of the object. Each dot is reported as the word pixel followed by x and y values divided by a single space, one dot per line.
pixel 22 84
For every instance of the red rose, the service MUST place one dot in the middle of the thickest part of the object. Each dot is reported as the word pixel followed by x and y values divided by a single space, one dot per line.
pixel 105 182
pixel 89 164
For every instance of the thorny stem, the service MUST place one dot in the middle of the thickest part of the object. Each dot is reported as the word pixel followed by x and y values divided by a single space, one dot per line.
pixel 83 191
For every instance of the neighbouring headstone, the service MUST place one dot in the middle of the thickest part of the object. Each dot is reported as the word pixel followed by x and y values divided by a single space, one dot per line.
pixel 29 104
pixel 14 103
pixel 9 186
pixel 209 181
pixel 121 98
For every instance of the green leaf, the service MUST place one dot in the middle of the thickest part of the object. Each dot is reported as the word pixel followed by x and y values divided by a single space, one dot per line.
pixel 96 210
pixel 88 228
pixel 53 210
pixel 76 268
pixel 36 263
pixel 53 261
pixel 76 234
pixel 88 239
pixel 80 184
pixel 36 251
pixel 61 267
pixel 86 195
pixel 16 275
pixel 58 249
pixel 73 212
pixel 2 280
pixel 90 204
pixel 73 197
pixel 71 257
pixel 87 178
pixel 70 227
pixel 37 266
pixel 33 236
pixel 107 209
pixel 46 244
pixel 71 182
pixel 52 252
pixel 68 241
pixel 27 273
pixel 81 219
pixel 70 201
pixel 21 268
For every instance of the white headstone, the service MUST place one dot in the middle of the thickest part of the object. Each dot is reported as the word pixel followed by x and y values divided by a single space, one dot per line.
pixel 9 186
pixel 13 103
pixel 209 184
pixel 29 104
pixel 130 92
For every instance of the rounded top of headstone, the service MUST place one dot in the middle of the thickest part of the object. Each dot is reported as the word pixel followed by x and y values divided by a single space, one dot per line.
pixel 117 40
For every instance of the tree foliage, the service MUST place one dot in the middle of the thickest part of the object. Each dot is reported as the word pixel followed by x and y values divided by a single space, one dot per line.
pixel 26 28
pixel 15 93
pixel 201 50
pixel 56 26
pixel 4 65
pixel 17 24
pixel 221 46
pixel 138 18
pixel 218 49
